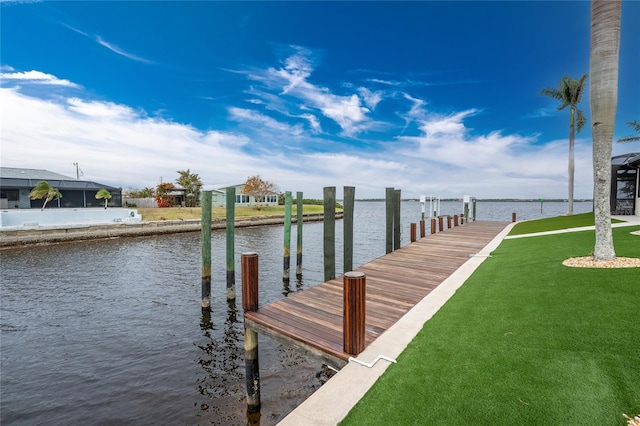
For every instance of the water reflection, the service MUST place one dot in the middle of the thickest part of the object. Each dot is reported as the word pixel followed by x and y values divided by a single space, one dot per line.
pixel 221 359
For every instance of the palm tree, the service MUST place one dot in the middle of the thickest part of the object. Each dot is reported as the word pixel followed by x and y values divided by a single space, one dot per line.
pixel 635 125
pixel 569 92
pixel 46 191
pixel 603 66
pixel 105 195
pixel 192 185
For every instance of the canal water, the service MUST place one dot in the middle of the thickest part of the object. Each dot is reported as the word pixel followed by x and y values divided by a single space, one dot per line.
pixel 111 331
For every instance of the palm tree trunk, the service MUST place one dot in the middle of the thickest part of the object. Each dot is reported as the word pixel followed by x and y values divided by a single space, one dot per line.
pixel 572 162
pixel 605 43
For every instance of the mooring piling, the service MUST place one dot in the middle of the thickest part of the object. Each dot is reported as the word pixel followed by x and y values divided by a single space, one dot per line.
pixel 329 193
pixel 249 265
pixel 354 296
pixel 455 220
pixel 513 217
pixel 389 195
pixel 423 229
pixel 433 225
pixel 347 223
pixel 287 236
pixel 205 243
pixel 299 219
pixel 473 201
pixel 412 232
pixel 440 224
pixel 448 222
pixel 397 198
pixel 231 226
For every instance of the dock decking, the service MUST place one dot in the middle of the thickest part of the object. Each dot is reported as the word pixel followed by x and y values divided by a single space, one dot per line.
pixel 312 319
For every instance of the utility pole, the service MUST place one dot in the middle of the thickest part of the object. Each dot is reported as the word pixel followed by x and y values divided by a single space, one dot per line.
pixel 77 171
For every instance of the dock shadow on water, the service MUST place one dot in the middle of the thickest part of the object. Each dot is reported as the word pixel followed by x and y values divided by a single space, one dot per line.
pixel 221 393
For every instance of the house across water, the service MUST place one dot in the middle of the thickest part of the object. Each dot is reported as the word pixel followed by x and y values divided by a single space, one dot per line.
pixel 17 183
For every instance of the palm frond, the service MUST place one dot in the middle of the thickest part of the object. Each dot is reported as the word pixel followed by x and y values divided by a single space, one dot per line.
pixel 635 125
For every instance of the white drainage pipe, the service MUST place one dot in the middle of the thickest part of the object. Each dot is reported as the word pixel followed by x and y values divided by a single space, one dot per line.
pixel 371 364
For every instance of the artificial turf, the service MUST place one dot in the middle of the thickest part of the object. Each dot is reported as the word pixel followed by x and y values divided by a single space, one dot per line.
pixel 524 341
pixel 555 223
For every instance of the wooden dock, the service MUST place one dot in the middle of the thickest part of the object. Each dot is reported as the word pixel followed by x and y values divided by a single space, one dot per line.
pixel 312 319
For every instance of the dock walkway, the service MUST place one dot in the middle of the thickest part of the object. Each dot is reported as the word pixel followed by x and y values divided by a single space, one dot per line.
pixel 312 319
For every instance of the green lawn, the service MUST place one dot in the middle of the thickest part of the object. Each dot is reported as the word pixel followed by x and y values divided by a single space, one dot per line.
pixel 525 341
pixel 555 223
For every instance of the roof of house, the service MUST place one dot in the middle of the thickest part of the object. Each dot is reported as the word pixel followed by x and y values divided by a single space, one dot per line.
pixel 28 178
pixel 220 187
pixel 630 159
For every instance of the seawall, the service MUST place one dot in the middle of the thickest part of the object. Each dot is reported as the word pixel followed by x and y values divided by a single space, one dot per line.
pixel 41 235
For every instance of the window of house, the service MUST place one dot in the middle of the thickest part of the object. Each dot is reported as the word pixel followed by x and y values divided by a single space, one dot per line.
pixel 9 194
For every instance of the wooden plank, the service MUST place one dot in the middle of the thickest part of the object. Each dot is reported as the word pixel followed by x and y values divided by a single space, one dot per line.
pixel 312 319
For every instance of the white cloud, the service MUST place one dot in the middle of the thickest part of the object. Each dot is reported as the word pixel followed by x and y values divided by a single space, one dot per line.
pixel 34 77
pixel 122 146
pixel 119 51
pixel 371 99
pixel 292 80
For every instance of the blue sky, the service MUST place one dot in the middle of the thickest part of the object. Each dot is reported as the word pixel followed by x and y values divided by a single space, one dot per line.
pixel 434 98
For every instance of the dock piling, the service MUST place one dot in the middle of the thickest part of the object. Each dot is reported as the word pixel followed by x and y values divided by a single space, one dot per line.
pixel 329 232
pixel 423 229
pixel 433 225
pixel 396 218
pixel 231 261
pixel 513 217
pixel 354 294
pixel 347 223
pixel 287 237
pixel 205 243
pixel 299 220
pixel 389 219
pixel 249 265
pixel 455 220
pixel 440 223
pixel 412 232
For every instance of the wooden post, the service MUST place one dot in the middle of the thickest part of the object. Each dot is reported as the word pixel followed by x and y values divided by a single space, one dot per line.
pixel 513 217
pixel 474 209
pixel 205 242
pixel 347 223
pixel 389 218
pixel 396 219
pixel 231 227
pixel 354 312
pixel 455 220
pixel 466 212
pixel 287 237
pixel 329 232
pixel 448 222
pixel 440 223
pixel 249 265
pixel 299 220
pixel 423 229
pixel 413 233
pixel 433 225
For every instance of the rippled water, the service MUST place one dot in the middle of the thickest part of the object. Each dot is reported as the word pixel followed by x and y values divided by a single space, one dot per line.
pixel 111 331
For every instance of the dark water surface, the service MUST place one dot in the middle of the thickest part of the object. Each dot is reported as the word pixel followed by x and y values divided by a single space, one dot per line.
pixel 111 331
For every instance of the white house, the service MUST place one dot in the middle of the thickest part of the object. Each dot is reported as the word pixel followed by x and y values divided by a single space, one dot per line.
pixel 219 196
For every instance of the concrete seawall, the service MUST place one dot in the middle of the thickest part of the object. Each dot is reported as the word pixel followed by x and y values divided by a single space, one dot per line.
pixel 19 238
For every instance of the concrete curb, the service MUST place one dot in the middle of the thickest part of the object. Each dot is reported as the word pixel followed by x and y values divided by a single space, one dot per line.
pixel 65 233
pixel 333 401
